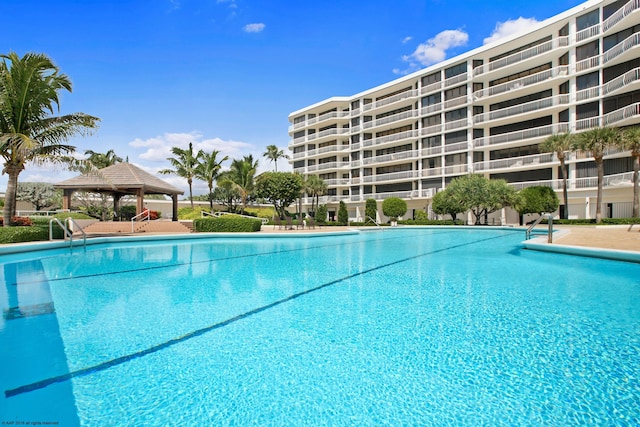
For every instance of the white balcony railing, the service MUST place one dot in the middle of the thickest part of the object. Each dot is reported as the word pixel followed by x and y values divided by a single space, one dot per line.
pixel 431 151
pixel 431 130
pixel 456 124
pixel 403 155
pixel 522 55
pixel 588 63
pixel 455 102
pixel 621 81
pixel 397 117
pixel 616 180
pixel 431 109
pixel 522 108
pixel 587 33
pixel 436 171
pixel 433 87
pixel 456 169
pixel 522 82
pixel 459 146
pixel 522 135
pixel 620 14
pixel 514 162
pixel 390 138
pixel 395 98
pixel 622 47
pixel 456 79
pixel 394 176
pixel 592 92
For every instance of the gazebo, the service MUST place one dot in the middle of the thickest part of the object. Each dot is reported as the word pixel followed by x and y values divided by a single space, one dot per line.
pixel 120 180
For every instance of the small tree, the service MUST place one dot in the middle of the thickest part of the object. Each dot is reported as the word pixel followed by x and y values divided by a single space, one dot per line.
pixel 444 203
pixel 279 188
pixel 343 214
pixel 481 195
pixel 393 207
pixel 40 194
pixel 538 200
pixel 321 214
pixel 370 210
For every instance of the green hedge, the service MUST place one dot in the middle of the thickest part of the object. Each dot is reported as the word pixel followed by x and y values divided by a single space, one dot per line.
pixel 430 222
pixel 24 234
pixel 226 224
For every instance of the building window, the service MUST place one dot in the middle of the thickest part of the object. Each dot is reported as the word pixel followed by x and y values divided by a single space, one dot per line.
pixel 455 137
pixel 431 99
pixel 456 92
pixel 587 81
pixel 431 120
pixel 431 79
pixel 588 50
pixel 452 116
pixel 455 70
pixel 588 20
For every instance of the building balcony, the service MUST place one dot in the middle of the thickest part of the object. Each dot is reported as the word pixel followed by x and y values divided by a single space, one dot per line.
pixel 431 130
pixel 517 62
pixel 321 118
pixel 519 87
pixel 395 119
pixel 326 134
pixel 587 64
pixel 587 94
pixel 523 162
pixel 394 176
pixel 588 33
pixel 456 169
pixel 510 114
pixel 433 87
pixel 622 117
pixel 391 158
pixel 430 109
pixel 623 51
pixel 431 172
pixel 619 18
pixel 530 136
pixel 329 149
pixel 627 82
pixel 459 146
pixel 339 182
pixel 456 124
pixel 393 138
pixel 431 151
pixel 399 98
pixel 455 80
pixel 610 181
pixel 453 103
pixel 328 165
pixel 407 195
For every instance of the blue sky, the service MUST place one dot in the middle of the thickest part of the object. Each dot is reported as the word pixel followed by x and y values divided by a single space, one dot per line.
pixel 225 74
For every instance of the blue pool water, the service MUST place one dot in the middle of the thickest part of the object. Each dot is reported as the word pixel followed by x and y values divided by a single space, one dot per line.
pixel 400 327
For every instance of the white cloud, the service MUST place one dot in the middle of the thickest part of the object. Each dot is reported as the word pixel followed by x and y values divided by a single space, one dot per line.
pixel 433 50
pixel 254 28
pixel 407 39
pixel 158 149
pixel 507 28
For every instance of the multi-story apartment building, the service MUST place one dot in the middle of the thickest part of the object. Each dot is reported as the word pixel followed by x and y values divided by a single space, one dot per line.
pixel 486 111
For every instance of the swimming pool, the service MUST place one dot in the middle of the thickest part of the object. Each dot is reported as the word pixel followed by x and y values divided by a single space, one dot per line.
pixel 401 327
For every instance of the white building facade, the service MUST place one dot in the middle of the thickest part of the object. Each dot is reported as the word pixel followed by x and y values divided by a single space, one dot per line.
pixel 486 111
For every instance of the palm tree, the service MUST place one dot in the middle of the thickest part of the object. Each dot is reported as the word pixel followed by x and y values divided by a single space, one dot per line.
pixel 596 141
pixel 29 96
pixel 102 160
pixel 315 187
pixel 241 177
pixel 560 144
pixel 208 169
pixel 184 165
pixel 631 141
pixel 273 154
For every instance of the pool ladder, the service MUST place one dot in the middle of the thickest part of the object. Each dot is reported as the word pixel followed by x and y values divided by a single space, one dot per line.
pixel 538 221
pixel 67 227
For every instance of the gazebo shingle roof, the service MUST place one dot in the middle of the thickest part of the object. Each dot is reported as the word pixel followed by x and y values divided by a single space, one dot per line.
pixel 120 178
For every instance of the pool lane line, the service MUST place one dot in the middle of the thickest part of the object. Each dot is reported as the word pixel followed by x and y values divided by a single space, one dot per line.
pixel 157 267
pixel 123 359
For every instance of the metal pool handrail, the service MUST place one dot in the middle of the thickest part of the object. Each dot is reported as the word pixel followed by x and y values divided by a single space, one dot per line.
pixel 538 221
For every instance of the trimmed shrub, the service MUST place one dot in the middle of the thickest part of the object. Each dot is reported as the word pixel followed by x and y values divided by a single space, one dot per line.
pixel 393 207
pixel 343 214
pixel 605 221
pixel 18 221
pixel 226 224
pixel 23 234
pixel 370 210
pixel 430 222
pixel 321 214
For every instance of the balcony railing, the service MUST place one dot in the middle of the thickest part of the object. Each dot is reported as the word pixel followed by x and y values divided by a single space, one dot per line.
pixel 522 135
pixel 431 130
pixel 431 108
pixel 622 47
pixel 587 33
pixel 437 171
pixel 395 98
pixel 592 92
pixel 394 176
pixel 455 102
pixel 459 146
pixel 522 55
pixel 456 124
pixel 588 63
pixel 621 81
pixel 433 87
pixel 630 111
pixel 456 79
pixel 620 14
pixel 397 117
pixel 456 169
pixel 431 151
pixel 617 180
pixel 513 162
pixel 390 138
pixel 328 149
pixel 328 165
pixel 391 157
pixel 522 108
pixel 523 82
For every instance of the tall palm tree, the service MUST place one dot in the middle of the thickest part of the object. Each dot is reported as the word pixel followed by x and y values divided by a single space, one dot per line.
pixel 29 131
pixel 315 187
pixel 560 144
pixel 208 169
pixel 273 154
pixel 241 176
pixel 596 141
pixel 631 141
pixel 184 165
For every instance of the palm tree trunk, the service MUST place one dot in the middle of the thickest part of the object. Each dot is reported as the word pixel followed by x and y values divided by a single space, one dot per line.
pixel 636 176
pixel 211 197
pixel 9 210
pixel 565 193
pixel 190 193
pixel 600 165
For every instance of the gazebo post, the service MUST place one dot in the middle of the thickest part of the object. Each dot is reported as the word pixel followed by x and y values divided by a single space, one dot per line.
pixel 139 201
pixel 174 198
pixel 116 205
pixel 66 198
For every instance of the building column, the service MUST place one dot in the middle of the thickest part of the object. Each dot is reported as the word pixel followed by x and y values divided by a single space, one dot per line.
pixel 174 198
pixel 139 201
pixel 66 198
